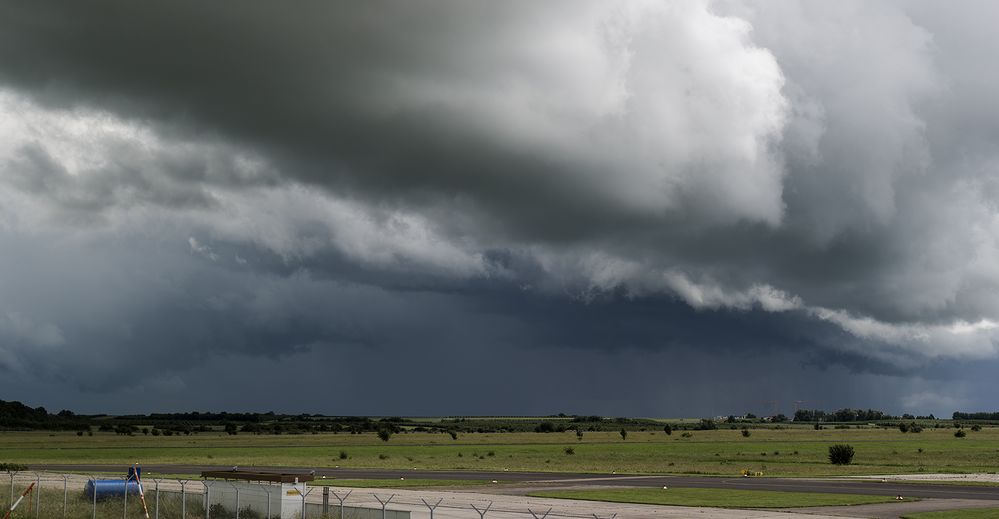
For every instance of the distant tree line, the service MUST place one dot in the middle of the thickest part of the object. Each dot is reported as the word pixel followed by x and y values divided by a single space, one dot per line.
pixel 975 416
pixel 842 415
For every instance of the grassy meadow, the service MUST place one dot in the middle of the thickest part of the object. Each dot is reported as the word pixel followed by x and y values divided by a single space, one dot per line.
pixel 716 497
pixel 790 451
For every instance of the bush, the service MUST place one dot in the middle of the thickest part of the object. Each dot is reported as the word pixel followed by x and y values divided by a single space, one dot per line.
pixel 960 433
pixel 569 451
pixel 745 433
pixel 454 435
pixel 383 456
pixel 706 425
pixel 840 454
pixel 668 430
pixel 976 427
pixel 579 434
pixel 624 434
pixel 343 455
pixel 904 427
pixel 384 434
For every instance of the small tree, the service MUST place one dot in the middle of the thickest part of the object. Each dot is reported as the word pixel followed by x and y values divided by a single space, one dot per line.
pixel 840 454
pixel 454 435
pixel 384 434
pixel 960 433
pixel 668 430
pixel 745 432
pixel 579 434
pixel 624 434
pixel 904 427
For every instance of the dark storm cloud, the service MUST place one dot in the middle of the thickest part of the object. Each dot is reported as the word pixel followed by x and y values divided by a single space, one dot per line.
pixel 201 181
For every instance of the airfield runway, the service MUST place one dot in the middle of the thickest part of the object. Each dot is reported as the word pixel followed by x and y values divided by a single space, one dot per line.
pixel 531 481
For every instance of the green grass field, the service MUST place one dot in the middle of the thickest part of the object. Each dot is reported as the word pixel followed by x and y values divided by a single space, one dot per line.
pixel 792 451
pixel 715 497
pixel 970 513
pixel 398 483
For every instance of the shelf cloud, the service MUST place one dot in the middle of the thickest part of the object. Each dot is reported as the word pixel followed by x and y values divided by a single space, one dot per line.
pixel 810 183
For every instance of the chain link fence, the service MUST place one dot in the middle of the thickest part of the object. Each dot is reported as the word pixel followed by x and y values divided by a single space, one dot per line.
pixel 65 496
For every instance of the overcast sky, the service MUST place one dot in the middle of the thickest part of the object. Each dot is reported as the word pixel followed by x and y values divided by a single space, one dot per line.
pixel 451 207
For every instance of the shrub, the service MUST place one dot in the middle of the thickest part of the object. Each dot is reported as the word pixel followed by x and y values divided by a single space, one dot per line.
pixel 569 451
pixel 384 434
pixel 491 453
pixel 624 434
pixel 976 427
pixel 454 435
pixel 383 456
pixel 745 432
pixel 686 435
pixel 668 430
pixel 343 455
pixel 960 433
pixel 904 427
pixel 579 434
pixel 706 425
pixel 840 454
pixel 545 427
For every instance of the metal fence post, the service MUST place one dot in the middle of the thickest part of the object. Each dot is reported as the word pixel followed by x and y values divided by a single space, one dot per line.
pixel 95 497
pixel 38 494
pixel 384 503
pixel 156 502
pixel 432 508
pixel 269 502
pixel 342 499
pixel 235 489
pixel 482 513
pixel 536 516
pixel 326 501
pixel 65 494
pixel 11 503
pixel 304 495
pixel 183 500
pixel 124 512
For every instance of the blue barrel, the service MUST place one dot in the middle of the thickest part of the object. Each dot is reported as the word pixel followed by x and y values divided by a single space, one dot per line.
pixel 110 488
